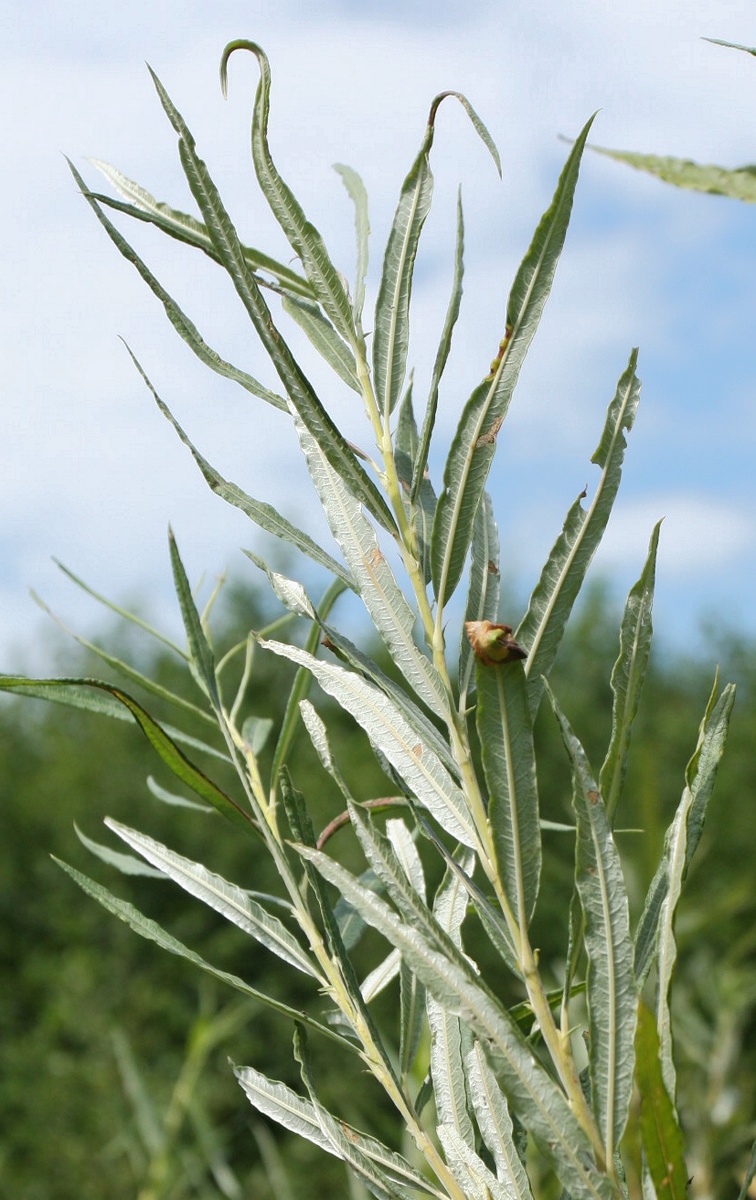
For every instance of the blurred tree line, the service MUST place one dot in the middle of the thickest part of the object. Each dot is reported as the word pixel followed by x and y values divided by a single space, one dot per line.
pixel 115 1079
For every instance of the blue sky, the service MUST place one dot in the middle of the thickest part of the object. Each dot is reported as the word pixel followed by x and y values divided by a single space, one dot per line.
pixel 92 474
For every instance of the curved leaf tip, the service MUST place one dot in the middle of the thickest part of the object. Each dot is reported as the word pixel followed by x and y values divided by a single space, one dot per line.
pixel 477 123
pixel 241 44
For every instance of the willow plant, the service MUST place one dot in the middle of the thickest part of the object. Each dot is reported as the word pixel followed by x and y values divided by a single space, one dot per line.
pixel 493 1100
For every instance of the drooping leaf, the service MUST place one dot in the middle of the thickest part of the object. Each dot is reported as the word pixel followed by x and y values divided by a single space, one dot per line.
pixel 660 1130
pixel 264 515
pixel 301 234
pixel 188 229
pixel 291 593
pixel 231 901
pixel 150 929
pixel 541 629
pixel 297 387
pixel 628 677
pixel 283 1105
pixel 474 443
pixel 186 328
pixel 739 182
pixel 131 617
pixel 93 695
pixel 612 991
pixel 127 864
pixel 161 793
pixel 128 671
pixel 315 726
pixel 389 730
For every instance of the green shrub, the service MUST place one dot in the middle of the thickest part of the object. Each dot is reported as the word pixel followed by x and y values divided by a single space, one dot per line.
pixel 505 1080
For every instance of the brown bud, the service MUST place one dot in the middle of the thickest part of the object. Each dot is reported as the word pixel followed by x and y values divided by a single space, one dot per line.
pixel 492 643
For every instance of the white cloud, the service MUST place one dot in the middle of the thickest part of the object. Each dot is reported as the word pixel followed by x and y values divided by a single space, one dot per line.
pixel 700 534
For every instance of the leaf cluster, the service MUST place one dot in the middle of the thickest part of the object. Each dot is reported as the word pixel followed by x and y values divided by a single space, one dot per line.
pixel 492 1097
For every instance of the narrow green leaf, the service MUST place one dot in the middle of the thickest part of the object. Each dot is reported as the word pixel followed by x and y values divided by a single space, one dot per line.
pixel 739 182
pixel 749 1176
pixel 94 695
pixel 201 659
pixel 232 902
pixel 349 654
pixel 442 354
pixel 291 593
pixel 411 991
pixel 389 730
pixel 322 335
pixel 161 793
pixel 420 509
pixel 628 677
pixel 298 389
pixel 498 933
pixel 127 864
pixel 151 1129
pixel 358 195
pixel 301 234
pixel 675 849
pixel 612 992
pixel 446 1057
pixel 540 631
pixel 281 1104
pixel 186 329
pixel 700 777
pixel 474 442
pixel 359 1018
pixel 391 333
pixel 131 617
pixel 319 738
pixel 125 669
pixel 149 929
pixel 301 685
pixel 389 609
pixel 660 1131
pixel 391 326
pixel 534 1096
pixel 732 46
pixel 189 230
pixel 495 1123
pixel 468 1168
pixel 506 739
pixel 483 591
pixel 264 515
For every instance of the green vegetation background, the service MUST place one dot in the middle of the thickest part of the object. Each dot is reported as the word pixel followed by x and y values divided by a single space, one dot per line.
pixel 81 994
